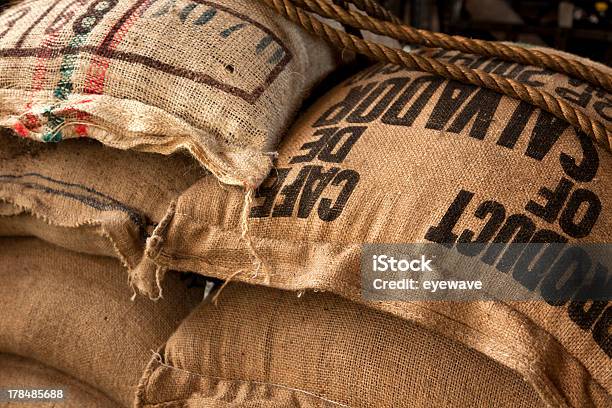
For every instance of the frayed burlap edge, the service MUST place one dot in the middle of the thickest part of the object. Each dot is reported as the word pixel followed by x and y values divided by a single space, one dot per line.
pixel 129 124
pixel 533 363
pixel 129 252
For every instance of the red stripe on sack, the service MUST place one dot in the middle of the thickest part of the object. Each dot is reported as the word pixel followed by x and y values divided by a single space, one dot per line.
pixel 20 129
pixel 96 74
pixel 81 130
pixel 46 50
pixel 40 69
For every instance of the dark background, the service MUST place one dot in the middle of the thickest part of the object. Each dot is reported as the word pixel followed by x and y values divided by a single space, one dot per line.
pixel 578 26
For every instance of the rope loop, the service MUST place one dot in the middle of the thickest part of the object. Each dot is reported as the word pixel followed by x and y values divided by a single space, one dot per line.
pixel 373 17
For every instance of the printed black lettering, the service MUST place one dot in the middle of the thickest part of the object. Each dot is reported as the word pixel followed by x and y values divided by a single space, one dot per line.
pixel 544 135
pixel 453 96
pixel 314 147
pixel 515 126
pixel 514 72
pixel 291 193
pixel 591 299
pixel 497 214
pixel 481 108
pixel 371 73
pixel 585 313
pixel 554 201
pixel 478 62
pixel 461 59
pixel 557 287
pixel 528 272
pixel 390 69
pixel 316 182
pixel 571 95
pixel 338 112
pixel 583 227
pixel 518 226
pixel 601 331
pixel 329 212
pixel 604 109
pixel 439 53
pixel 528 77
pixel 502 68
pixel 587 169
pixel 443 232
pixel 269 194
pixel 390 87
pixel 491 65
pixel 331 153
pixel 392 116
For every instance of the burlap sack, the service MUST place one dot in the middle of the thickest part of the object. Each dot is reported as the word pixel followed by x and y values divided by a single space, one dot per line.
pixel 398 156
pixel 593 102
pixel 219 78
pixel 262 347
pixel 88 197
pixel 73 312
pixel 22 373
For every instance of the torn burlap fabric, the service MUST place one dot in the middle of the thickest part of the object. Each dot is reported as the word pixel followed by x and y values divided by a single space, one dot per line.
pixel 89 198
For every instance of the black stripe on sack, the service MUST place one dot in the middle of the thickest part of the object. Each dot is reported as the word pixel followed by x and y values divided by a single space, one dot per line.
pixel 200 77
pixel 93 202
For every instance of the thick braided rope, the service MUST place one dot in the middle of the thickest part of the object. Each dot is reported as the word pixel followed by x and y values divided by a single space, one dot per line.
pixel 507 52
pixel 343 4
pixel 512 88
pixel 372 8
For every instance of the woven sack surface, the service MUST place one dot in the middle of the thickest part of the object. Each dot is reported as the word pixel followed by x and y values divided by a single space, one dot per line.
pixel 221 79
pixel 262 347
pixel 22 373
pixel 72 312
pixel 87 197
pixel 386 157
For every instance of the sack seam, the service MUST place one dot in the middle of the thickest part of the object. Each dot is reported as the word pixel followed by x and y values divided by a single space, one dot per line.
pixel 355 291
pixel 502 348
pixel 157 360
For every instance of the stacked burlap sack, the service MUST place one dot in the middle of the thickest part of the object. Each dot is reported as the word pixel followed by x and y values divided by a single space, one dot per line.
pixel 150 147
